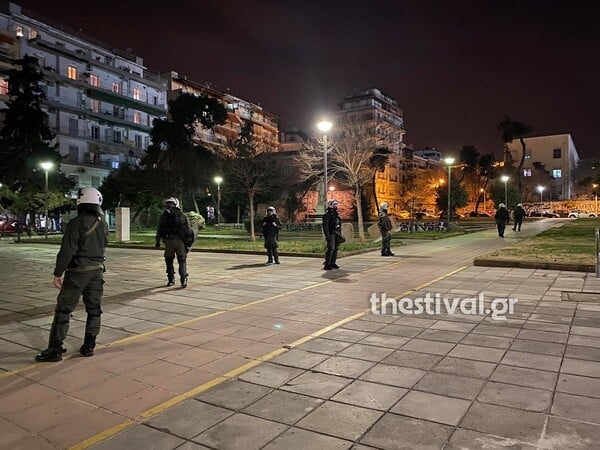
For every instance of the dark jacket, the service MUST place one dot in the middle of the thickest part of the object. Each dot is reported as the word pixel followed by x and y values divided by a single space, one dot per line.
pixel 331 222
pixel 502 215
pixel 384 223
pixel 519 214
pixel 270 226
pixel 173 224
pixel 84 242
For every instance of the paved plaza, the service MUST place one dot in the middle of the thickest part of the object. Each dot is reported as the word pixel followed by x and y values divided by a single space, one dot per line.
pixel 290 357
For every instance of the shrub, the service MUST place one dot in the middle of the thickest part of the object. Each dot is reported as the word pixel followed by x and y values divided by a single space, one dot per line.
pixel 196 220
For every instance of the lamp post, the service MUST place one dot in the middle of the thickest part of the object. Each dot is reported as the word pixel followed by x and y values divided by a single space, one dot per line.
pixel 505 178
pixel 218 180
pixel 540 190
pixel 595 186
pixel 324 126
pixel 331 189
pixel 449 161
pixel 482 190
pixel 46 166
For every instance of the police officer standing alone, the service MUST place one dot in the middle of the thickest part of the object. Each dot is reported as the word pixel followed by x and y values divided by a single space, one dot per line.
pixel 385 228
pixel 270 230
pixel 332 228
pixel 81 260
pixel 174 230
pixel 519 216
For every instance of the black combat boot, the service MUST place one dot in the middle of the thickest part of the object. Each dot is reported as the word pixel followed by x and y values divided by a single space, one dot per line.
pixel 171 280
pixel 89 343
pixel 50 355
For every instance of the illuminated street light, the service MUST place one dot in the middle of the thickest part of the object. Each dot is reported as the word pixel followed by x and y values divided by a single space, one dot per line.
pixel 46 165
pixel 449 161
pixel 219 180
pixel 595 186
pixel 505 178
pixel 324 126
pixel 540 190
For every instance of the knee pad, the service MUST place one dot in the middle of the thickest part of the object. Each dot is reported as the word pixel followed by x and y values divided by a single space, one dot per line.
pixel 63 314
pixel 95 311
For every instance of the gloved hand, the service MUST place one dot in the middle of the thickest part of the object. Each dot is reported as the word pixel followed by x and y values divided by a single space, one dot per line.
pixel 187 249
pixel 157 245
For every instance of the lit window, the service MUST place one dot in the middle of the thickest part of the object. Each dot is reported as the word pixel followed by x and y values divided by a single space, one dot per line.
pixel 138 141
pixel 114 164
pixel 557 173
pixel 526 172
pixel 137 94
pixel 116 87
pixel 95 105
pixel 94 80
pixel 19 31
pixel 137 117
pixel 3 86
pixel 32 34
pixel 72 72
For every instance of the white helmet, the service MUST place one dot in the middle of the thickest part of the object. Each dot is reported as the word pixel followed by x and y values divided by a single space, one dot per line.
pixel 271 208
pixel 519 204
pixel 89 195
pixel 332 204
pixel 172 200
pixel 384 206
pixel 501 205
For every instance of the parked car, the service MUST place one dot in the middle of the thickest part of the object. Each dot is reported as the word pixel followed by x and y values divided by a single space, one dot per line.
pixel 578 214
pixel 479 214
pixel 547 214
pixel 422 215
pixel 9 226
pixel 455 215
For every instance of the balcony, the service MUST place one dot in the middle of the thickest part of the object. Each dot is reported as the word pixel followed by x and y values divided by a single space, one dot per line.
pixel 119 99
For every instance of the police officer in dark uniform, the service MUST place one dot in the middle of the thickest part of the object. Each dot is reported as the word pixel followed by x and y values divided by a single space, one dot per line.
pixel 385 227
pixel 519 216
pixel 270 230
pixel 502 217
pixel 174 230
pixel 332 228
pixel 81 260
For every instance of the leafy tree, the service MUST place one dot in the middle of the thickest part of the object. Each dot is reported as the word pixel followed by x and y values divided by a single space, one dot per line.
pixel 377 162
pixel 512 130
pixel 497 193
pixel 458 197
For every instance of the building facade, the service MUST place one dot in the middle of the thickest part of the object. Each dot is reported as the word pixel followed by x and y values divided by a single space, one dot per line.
pixel 557 154
pixel 100 101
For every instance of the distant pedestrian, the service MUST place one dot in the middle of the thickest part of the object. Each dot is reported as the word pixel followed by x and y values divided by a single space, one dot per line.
pixel 81 260
pixel 502 218
pixel 385 228
pixel 518 216
pixel 270 230
pixel 332 228
pixel 174 230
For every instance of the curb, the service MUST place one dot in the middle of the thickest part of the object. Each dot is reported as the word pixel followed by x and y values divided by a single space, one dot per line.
pixel 488 262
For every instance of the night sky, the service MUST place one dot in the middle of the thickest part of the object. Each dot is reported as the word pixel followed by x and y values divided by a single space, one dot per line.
pixel 455 67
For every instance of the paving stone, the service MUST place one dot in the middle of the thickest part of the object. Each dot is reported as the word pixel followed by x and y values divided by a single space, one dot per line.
pixel 189 418
pixel 450 385
pixel 573 384
pixel 543 348
pixel 363 325
pixel 340 420
pixel 393 432
pixel 564 433
pixel 393 375
pixel 366 352
pixel 346 367
pixel 490 330
pixel 317 384
pixel 544 336
pixel 505 422
pixel 576 407
pixel 477 353
pixel 532 360
pixel 341 334
pixel 465 367
pixel 141 436
pixel 370 395
pixel 234 394
pixel 584 341
pixel 452 326
pixel 412 359
pixel 300 359
pixel 525 377
pixel 577 352
pixel 242 432
pixel 385 340
pixel 581 367
pixel 285 407
pixel 520 397
pixel 399 330
pixel 270 375
pixel 472 440
pixel 297 439
pixel 442 335
pixel 327 346
pixel 481 340
pixel 436 408
pixel 431 347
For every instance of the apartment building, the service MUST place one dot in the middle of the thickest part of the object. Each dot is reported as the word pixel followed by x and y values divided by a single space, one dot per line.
pixel 100 101
pixel 558 155
pixel 265 127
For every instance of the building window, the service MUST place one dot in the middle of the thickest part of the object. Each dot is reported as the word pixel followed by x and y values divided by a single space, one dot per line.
pixel 137 117
pixel 117 137
pixel 72 72
pixel 95 105
pixel 73 153
pixel 114 164
pixel 73 127
pixel 137 94
pixel 526 172
pixel 556 153
pixel 32 34
pixel 3 86
pixel 95 182
pixel 95 132
pixel 139 142
pixel 94 80
pixel 116 88
pixel 19 31
pixel 557 173
pixel 155 100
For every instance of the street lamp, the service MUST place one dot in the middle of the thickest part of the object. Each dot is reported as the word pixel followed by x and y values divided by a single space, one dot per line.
pixel 219 180
pixel 595 186
pixel 540 190
pixel 324 126
pixel 449 161
pixel 46 165
pixel 482 190
pixel 505 178
pixel 331 189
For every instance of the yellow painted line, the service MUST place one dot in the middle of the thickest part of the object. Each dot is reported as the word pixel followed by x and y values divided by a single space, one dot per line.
pixel 154 411
pixel 460 269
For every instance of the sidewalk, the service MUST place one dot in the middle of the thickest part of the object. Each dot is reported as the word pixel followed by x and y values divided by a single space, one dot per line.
pixel 288 357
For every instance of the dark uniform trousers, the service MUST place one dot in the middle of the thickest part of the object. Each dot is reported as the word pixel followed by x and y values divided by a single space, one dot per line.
pixel 75 284
pixel 175 247
pixel 332 250
pixel 271 246
pixel 386 241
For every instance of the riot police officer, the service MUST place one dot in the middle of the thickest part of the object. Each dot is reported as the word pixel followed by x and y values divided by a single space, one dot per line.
pixel 332 229
pixel 385 227
pixel 270 230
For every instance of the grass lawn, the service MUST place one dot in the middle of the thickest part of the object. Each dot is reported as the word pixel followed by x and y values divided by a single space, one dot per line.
pixel 572 243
